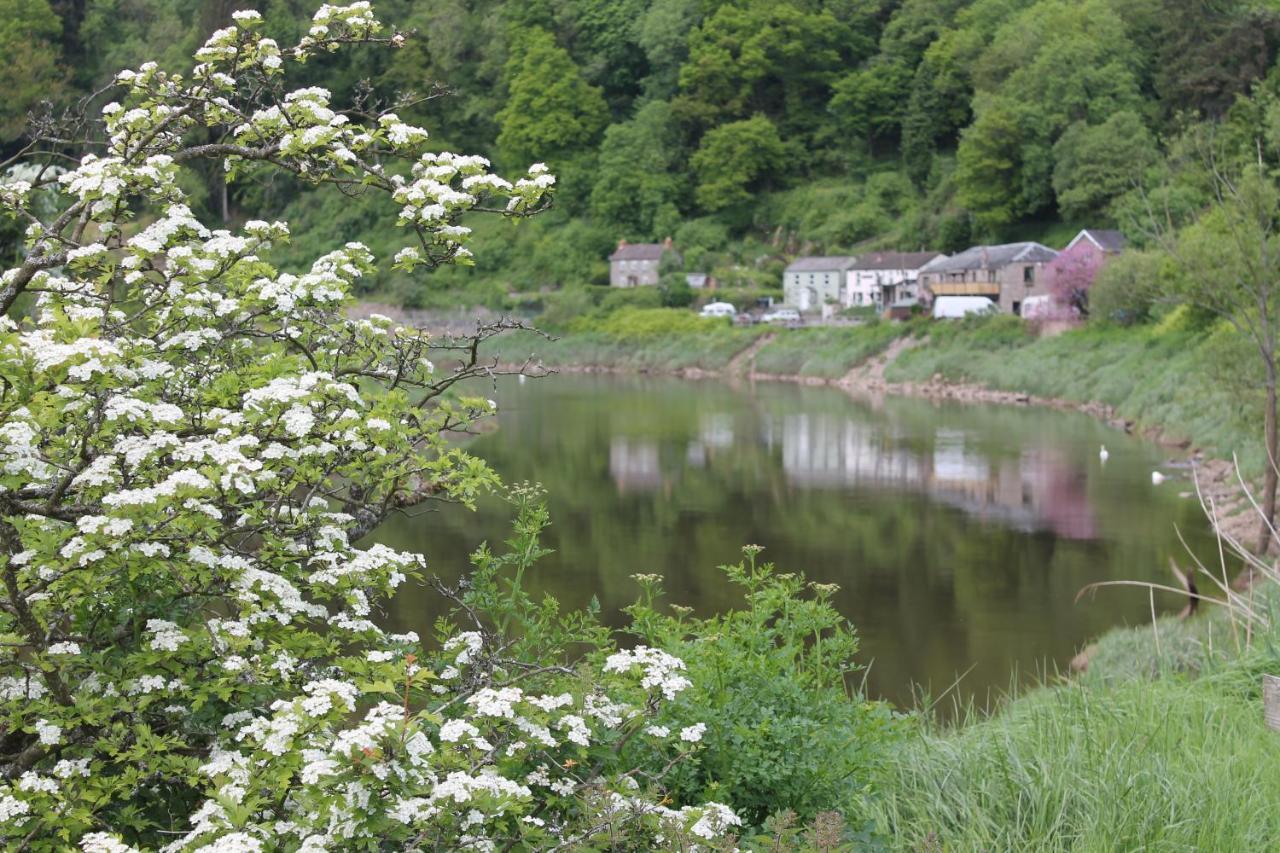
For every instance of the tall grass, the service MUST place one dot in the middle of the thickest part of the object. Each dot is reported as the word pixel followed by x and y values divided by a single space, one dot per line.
pixel 1173 764
pixel 826 352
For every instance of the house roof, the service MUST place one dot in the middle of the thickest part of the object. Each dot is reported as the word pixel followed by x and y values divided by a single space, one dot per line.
pixel 894 260
pixel 826 263
pixel 1105 239
pixel 991 257
pixel 638 252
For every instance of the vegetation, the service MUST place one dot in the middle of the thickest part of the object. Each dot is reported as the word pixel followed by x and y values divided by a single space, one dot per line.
pixel 746 129
pixel 194 437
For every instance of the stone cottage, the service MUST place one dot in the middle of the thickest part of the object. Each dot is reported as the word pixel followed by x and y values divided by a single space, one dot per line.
pixel 884 279
pixel 1006 274
pixel 810 283
pixel 637 264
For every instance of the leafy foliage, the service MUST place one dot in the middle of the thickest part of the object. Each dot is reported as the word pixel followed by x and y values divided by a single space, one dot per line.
pixel 193 441
pixel 782 732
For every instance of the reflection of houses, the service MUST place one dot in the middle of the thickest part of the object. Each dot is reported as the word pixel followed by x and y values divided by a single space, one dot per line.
pixel 634 464
pixel 1005 274
pixel 1032 491
pixel 827 450
pixel 716 430
pixel 810 283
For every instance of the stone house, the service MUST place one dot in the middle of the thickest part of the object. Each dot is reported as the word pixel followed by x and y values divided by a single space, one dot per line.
pixel 638 264
pixel 1006 274
pixel 883 279
pixel 810 283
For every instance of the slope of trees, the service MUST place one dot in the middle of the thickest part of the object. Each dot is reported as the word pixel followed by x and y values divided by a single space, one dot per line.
pixel 1003 115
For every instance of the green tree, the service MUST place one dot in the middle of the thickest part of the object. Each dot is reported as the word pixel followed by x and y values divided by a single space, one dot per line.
pixel 29 61
pixel 1053 64
pixel 988 165
pixel 1094 164
pixel 636 187
pixel 663 33
pixel 551 111
pixel 1228 265
pixel 871 102
pixel 773 58
pixel 735 159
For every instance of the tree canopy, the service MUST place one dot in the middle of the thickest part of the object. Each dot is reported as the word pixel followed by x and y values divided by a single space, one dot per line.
pixel 1004 114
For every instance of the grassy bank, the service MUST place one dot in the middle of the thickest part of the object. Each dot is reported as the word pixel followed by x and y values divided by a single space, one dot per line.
pixel 1160 745
pixel 1174 764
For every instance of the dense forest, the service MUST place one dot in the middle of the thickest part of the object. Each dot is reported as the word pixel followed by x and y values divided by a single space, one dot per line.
pixel 748 130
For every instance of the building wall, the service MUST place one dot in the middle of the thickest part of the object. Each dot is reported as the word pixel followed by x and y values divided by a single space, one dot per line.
pixel 864 287
pixel 633 273
pixel 1017 282
pixel 1009 286
pixel 809 291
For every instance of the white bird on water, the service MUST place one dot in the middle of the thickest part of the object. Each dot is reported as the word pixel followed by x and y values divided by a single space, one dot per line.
pixel 1103 455
pixel 1156 478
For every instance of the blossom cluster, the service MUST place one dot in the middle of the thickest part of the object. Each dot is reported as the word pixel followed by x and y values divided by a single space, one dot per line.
pixel 193 446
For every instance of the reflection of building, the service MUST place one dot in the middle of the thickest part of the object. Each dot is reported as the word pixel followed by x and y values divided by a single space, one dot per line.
pixel 716 430
pixel 1032 491
pixel 633 464
pixel 826 450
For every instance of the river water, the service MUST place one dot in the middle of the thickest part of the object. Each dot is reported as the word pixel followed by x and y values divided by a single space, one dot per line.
pixel 959 534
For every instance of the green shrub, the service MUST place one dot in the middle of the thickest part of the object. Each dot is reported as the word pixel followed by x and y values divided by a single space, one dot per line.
pixel 1121 294
pixel 639 323
pixel 783 729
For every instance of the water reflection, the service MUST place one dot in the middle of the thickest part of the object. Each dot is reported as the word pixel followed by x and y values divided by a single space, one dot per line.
pixel 959 535
pixel 1038 489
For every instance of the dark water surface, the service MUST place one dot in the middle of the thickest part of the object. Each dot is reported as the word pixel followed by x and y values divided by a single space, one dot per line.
pixel 959 535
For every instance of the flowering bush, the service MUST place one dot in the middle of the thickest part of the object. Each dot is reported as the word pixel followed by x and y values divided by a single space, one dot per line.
pixel 191 441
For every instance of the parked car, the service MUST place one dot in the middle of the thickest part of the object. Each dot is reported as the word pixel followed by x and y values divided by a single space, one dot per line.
pixel 718 309
pixel 783 316
pixel 744 319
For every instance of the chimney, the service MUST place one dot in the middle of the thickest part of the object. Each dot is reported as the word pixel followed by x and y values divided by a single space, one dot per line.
pixel 666 244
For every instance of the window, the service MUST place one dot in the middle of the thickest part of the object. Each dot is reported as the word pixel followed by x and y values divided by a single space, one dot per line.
pixel 1017 309
pixel 1029 275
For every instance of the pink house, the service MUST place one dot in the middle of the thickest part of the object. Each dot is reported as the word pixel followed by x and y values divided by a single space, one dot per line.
pixel 1070 275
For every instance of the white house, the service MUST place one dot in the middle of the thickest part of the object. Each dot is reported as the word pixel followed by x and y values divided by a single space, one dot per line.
pixel 810 283
pixel 882 279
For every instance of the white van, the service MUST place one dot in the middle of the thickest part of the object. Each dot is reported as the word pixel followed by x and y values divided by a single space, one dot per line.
pixel 718 309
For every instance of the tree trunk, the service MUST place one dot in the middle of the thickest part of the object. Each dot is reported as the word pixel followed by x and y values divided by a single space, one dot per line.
pixel 1269 480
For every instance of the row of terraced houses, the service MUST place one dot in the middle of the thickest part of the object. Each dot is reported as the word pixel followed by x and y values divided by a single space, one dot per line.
pixel 1015 277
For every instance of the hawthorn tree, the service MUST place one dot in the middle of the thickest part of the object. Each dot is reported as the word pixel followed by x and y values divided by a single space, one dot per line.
pixel 191 443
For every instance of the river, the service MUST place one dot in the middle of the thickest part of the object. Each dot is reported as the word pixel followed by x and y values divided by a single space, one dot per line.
pixel 959 534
